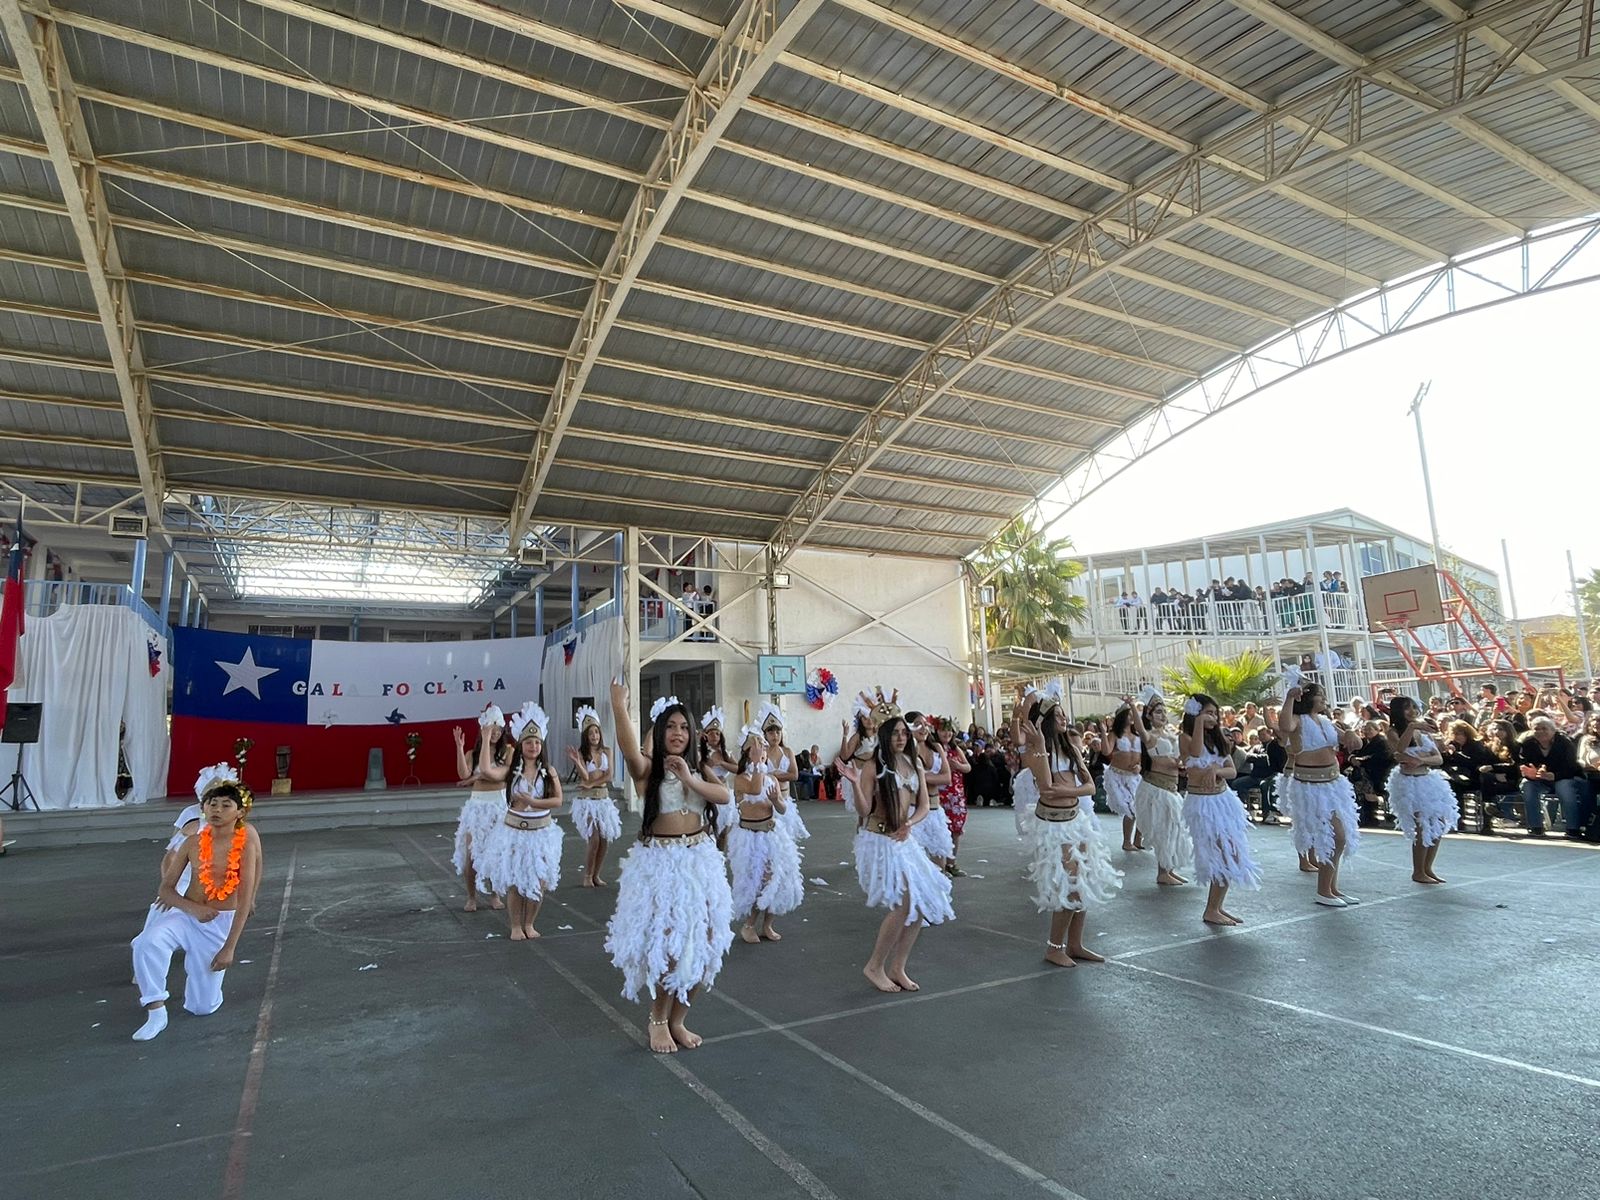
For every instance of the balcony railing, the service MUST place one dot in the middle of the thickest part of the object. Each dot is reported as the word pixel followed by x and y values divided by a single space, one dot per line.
pixel 43 599
pixel 1224 618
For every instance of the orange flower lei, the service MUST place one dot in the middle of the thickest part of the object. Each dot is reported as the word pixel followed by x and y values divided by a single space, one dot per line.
pixel 230 881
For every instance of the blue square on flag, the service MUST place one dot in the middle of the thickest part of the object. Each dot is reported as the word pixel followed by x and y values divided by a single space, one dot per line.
pixel 240 677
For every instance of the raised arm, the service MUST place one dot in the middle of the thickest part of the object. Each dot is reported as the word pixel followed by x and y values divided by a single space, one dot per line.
pixel 1287 721
pixel 487 768
pixel 1136 718
pixel 627 736
pixel 463 767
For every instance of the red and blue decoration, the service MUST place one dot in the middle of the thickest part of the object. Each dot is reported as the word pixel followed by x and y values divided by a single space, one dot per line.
pixel 568 649
pixel 820 685
pixel 154 652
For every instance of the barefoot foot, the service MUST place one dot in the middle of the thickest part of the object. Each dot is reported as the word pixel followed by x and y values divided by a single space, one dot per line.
pixel 1057 955
pixel 587 882
pixel 1231 917
pixel 661 1041
pixel 530 932
pixel 1216 918
pixel 518 934
pixel 471 905
pixel 904 981
pixel 1432 878
pixel 1082 955
pixel 771 934
pixel 747 933
pixel 1170 879
pixel 496 904
pixel 880 980
pixel 682 1036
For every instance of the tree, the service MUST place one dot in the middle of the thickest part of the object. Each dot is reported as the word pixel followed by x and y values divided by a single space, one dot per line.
pixel 1244 678
pixel 1033 602
pixel 1557 645
pixel 1589 597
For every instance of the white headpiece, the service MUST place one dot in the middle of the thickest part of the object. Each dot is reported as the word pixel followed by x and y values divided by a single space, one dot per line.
pixel 585 715
pixel 1047 697
pixel 769 714
pixel 193 813
pixel 1146 694
pixel 711 719
pixel 1293 677
pixel 746 732
pixel 210 777
pixel 491 715
pixel 1191 707
pixel 529 718
pixel 662 704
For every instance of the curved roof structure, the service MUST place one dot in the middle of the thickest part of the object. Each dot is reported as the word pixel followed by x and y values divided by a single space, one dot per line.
pixel 871 274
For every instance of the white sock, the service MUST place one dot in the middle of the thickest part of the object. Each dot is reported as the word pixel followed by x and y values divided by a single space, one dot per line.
pixel 155 1020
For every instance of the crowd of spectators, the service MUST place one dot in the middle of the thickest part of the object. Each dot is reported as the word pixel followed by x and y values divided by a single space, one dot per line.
pixel 1527 756
pixel 1232 605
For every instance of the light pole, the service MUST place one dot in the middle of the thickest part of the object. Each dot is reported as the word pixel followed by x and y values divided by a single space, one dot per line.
pixel 1577 611
pixel 1427 487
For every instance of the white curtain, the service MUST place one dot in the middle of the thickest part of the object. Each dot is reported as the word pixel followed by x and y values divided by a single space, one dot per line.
pixel 596 661
pixel 89 665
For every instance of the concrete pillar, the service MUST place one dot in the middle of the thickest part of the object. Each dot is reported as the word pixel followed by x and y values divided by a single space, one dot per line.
pixel 538 609
pixel 141 549
pixel 629 605
pixel 166 584
pixel 183 606
pixel 512 617
pixel 574 595
pixel 1322 617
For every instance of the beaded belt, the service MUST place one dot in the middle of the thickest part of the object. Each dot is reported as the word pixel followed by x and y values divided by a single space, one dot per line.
pixel 878 825
pixel 1325 774
pixel 766 826
pixel 1055 812
pixel 1160 779
pixel 678 839
pixel 598 793
pixel 515 820
pixel 1194 791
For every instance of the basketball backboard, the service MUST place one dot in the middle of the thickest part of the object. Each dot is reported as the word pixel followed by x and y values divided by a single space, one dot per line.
pixel 1403 598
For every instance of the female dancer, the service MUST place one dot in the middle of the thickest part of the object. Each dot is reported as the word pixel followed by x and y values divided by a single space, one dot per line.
pixel 523 854
pixel 932 833
pixel 764 859
pixel 892 869
pixel 858 746
pixel 1158 808
pixel 674 916
pixel 594 812
pixel 783 768
pixel 1068 863
pixel 953 796
pixel 486 805
pixel 1217 820
pixel 718 768
pixel 1320 800
pixel 1122 775
pixel 1421 798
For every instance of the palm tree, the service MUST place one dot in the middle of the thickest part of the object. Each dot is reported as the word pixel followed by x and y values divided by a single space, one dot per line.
pixel 1033 603
pixel 1231 682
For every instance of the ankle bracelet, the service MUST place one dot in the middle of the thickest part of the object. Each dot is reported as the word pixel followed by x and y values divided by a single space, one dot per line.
pixel 653 1021
pixel 1054 946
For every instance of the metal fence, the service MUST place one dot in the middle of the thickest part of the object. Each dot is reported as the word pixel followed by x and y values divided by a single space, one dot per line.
pixel 43 599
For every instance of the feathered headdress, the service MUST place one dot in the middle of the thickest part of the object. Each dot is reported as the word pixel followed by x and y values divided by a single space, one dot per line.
pixel 752 730
pixel 529 718
pixel 222 775
pixel 1293 677
pixel 1047 697
pixel 1146 694
pixel 768 715
pixel 584 717
pixel 711 719
pixel 193 813
pixel 880 707
pixel 491 715
pixel 662 704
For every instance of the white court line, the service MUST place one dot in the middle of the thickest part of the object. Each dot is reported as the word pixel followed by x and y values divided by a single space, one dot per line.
pixel 1430 1043
pixel 987 1149
pixel 774 1153
pixel 910 998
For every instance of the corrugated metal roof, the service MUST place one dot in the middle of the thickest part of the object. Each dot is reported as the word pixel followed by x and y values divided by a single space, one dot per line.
pixel 358 236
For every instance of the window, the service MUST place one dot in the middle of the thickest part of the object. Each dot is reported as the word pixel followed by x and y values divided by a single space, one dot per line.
pixel 272 630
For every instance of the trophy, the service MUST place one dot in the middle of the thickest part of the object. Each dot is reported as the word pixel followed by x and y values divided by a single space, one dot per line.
pixel 413 744
pixel 282 785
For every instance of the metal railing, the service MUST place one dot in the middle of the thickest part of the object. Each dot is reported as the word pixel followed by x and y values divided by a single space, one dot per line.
pixel 1221 618
pixel 44 598
pixel 661 621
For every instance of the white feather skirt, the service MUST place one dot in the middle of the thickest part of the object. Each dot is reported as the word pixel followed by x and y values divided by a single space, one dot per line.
pixel 766 871
pixel 890 871
pixel 1121 787
pixel 1423 804
pixel 1160 817
pixel 674 918
pixel 1068 864
pixel 1316 809
pixel 592 815
pixel 526 859
pixel 932 833
pixel 789 821
pixel 1220 830
pixel 1024 796
pixel 479 815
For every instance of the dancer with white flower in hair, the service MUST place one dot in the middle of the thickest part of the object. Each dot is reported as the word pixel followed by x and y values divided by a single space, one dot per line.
pixel 523 855
pixel 717 766
pixel 1218 823
pixel 1320 801
pixel 483 809
pixel 783 766
pixel 594 812
pixel 932 833
pixel 1157 806
pixel 1420 795
pixel 891 867
pixel 674 916
pixel 222 866
pixel 762 856
pixel 1068 863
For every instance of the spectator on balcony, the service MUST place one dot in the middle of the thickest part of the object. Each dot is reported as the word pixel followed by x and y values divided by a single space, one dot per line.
pixel 1141 617
pixel 1159 600
pixel 1339 585
pixel 1327 584
pixel 1122 605
pixel 1548 762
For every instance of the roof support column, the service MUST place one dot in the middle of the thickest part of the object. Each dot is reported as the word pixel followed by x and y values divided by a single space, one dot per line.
pixel 628 604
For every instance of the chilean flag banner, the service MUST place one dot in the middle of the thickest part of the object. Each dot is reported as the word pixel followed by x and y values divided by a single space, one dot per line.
pixel 330 703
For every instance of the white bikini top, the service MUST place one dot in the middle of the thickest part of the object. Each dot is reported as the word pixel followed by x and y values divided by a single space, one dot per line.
pixel 523 788
pixel 1317 733
pixel 1061 764
pixel 720 772
pixel 938 764
pixel 769 784
pixel 1426 746
pixel 1128 744
pixel 1208 759
pixel 1164 745
pixel 783 765
pixel 676 798
pixel 603 765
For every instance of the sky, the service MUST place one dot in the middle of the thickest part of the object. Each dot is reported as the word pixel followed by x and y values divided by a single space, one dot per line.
pixel 1512 427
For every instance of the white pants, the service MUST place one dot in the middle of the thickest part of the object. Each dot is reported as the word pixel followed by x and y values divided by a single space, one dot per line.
pixel 176 930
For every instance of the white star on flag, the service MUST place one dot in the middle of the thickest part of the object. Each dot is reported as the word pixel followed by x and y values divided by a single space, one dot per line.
pixel 245 674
